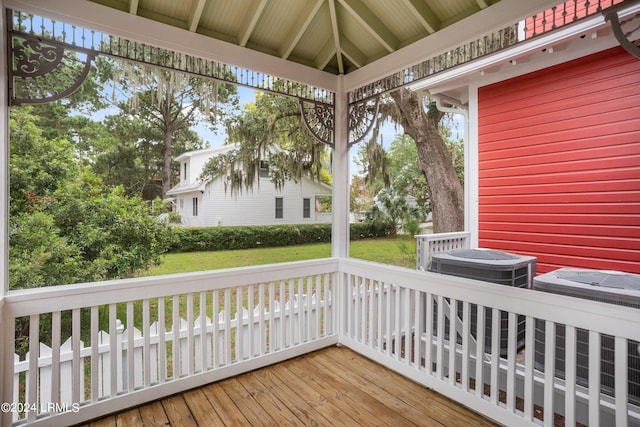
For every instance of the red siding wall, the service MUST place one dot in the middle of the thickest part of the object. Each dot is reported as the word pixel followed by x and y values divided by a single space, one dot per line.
pixel 559 164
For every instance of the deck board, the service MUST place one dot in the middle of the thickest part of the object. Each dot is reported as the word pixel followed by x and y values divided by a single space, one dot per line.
pixel 441 409
pixel 268 402
pixel 333 386
pixel 223 405
pixel 201 408
pixel 128 418
pixel 153 415
pixel 178 411
pixel 351 399
pixel 301 404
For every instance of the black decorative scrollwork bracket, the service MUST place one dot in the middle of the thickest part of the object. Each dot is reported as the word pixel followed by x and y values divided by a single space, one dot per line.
pixel 626 31
pixel 41 72
pixel 320 120
pixel 362 118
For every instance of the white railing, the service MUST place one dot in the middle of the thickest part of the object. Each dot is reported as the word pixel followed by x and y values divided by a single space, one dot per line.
pixel 429 244
pixel 181 331
pixel 399 317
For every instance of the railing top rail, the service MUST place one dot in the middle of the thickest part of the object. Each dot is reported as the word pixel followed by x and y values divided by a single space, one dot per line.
pixel 65 297
pixel 598 316
pixel 440 236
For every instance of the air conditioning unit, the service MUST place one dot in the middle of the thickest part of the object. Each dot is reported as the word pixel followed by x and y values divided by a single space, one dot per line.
pixel 613 287
pixel 490 266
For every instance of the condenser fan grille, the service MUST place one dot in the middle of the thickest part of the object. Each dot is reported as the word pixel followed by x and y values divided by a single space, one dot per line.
pixel 601 278
pixel 483 254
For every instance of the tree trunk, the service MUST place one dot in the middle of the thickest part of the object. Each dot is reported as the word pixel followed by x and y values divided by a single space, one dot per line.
pixel 166 167
pixel 169 125
pixel 434 159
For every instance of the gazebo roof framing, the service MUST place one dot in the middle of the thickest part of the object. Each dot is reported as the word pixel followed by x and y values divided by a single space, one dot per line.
pixel 47 54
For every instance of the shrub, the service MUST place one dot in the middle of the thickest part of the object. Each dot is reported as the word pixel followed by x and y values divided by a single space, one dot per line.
pixel 412 226
pixel 246 237
pixel 368 230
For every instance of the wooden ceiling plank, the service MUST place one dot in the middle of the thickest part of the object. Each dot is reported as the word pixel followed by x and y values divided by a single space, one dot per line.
pixel 336 34
pixel 196 14
pixel 371 23
pixel 251 20
pixel 461 16
pixel 302 23
pixel 482 3
pixel 424 15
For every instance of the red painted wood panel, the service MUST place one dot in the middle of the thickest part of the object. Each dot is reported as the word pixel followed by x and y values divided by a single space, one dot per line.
pixel 566 208
pixel 570 118
pixel 555 144
pixel 564 198
pixel 559 164
pixel 534 87
pixel 594 176
pixel 563 256
pixel 514 167
pixel 588 241
pixel 607 131
pixel 565 229
pixel 559 188
pixel 544 103
pixel 628 220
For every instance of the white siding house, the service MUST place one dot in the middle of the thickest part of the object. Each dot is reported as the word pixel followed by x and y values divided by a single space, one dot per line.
pixel 208 203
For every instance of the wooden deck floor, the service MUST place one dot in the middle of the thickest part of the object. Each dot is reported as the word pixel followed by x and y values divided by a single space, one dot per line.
pixel 333 386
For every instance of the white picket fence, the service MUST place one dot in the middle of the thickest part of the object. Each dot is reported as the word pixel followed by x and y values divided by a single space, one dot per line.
pixel 286 314
pixel 289 317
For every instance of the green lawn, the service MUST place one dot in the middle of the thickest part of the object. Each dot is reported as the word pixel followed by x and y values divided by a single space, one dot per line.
pixel 399 251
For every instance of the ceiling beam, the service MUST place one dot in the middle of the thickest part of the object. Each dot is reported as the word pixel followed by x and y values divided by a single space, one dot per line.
pixel 336 34
pixel 133 7
pixel 371 23
pixel 302 23
pixel 327 52
pixel 483 4
pixel 424 14
pixel 352 52
pixel 196 13
pixel 251 20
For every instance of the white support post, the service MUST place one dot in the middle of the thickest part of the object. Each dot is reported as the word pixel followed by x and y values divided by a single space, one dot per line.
pixel 340 202
pixel 471 167
pixel 468 203
pixel 6 362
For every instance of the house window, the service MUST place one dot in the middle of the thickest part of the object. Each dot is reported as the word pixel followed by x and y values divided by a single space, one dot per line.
pixel 184 171
pixel 323 204
pixel 279 208
pixel 181 204
pixel 264 169
pixel 306 208
pixel 195 206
